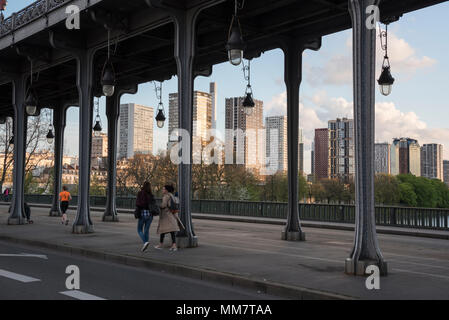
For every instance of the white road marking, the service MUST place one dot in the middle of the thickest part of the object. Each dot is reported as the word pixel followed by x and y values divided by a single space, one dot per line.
pixel 16 276
pixel 80 295
pixel 25 255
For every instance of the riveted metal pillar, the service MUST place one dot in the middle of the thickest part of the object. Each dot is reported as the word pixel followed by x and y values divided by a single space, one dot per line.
pixel 17 210
pixel 59 123
pixel 113 113
pixel 366 248
pixel 184 55
pixel 83 222
pixel 293 49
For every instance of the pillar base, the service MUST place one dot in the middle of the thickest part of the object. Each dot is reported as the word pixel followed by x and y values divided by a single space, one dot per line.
pixel 293 236
pixel 55 213
pixel 358 268
pixel 82 229
pixel 110 218
pixel 187 242
pixel 15 221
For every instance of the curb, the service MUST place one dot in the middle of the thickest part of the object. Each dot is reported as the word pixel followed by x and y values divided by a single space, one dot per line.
pixel 267 287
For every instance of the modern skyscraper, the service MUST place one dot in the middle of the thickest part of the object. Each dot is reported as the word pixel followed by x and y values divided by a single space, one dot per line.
pixel 100 146
pixel 213 95
pixel 382 158
pixel 312 160
pixel 405 157
pixel 321 153
pixel 341 149
pixel 432 161
pixel 203 114
pixel 135 130
pixel 276 130
pixel 301 152
pixel 446 171
pixel 247 148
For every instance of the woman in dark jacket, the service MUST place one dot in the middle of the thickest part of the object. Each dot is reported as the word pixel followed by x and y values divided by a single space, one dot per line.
pixel 143 201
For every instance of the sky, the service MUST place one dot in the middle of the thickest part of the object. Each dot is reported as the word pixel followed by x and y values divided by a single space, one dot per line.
pixel 418 106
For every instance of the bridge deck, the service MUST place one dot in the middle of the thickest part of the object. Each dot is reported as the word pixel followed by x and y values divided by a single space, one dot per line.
pixel 419 267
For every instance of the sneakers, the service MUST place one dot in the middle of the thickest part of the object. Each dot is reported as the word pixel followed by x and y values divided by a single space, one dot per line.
pixel 145 246
pixel 158 247
pixel 173 249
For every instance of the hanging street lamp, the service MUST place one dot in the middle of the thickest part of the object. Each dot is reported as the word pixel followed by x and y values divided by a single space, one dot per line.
pixel 235 44
pixel 97 127
pixel 160 117
pixel 108 74
pixel 31 100
pixel 50 135
pixel 385 80
pixel 248 103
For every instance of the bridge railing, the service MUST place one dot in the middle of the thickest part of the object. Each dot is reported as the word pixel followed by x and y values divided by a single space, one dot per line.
pixel 426 218
pixel 28 14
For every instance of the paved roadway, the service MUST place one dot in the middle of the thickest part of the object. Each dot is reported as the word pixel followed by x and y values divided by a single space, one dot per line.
pixel 418 267
pixel 33 278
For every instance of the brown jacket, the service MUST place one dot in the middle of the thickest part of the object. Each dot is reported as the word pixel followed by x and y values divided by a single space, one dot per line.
pixel 167 220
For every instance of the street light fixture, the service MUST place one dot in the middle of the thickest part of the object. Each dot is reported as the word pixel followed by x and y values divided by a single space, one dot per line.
pixel 108 74
pixel 248 102
pixel 31 100
pixel 160 117
pixel 235 44
pixel 50 135
pixel 385 80
pixel 97 127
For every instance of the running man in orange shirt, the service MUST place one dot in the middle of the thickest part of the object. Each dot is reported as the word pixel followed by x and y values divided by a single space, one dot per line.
pixel 65 197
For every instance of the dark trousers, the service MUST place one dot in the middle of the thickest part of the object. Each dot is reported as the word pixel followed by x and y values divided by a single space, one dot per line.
pixel 64 206
pixel 173 237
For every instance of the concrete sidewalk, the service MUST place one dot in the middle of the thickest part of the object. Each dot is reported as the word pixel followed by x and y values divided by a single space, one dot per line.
pixel 252 255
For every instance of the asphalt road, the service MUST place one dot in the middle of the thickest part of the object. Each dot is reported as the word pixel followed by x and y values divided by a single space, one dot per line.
pixel 36 277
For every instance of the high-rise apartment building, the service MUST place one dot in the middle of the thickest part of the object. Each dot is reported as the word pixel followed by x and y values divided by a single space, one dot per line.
pixel 432 161
pixel 446 171
pixel 382 158
pixel 276 130
pixel 213 95
pixel 405 157
pixel 204 109
pixel 301 152
pixel 341 149
pixel 245 139
pixel 135 130
pixel 100 146
pixel 321 153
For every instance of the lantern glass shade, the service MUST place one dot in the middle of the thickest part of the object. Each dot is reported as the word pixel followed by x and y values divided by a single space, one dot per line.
pixel 160 119
pixel 31 104
pixel 385 81
pixel 235 46
pixel 50 137
pixel 248 104
pixel 108 80
pixel 97 129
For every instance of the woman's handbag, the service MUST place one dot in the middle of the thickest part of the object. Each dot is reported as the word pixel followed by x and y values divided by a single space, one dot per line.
pixel 155 210
pixel 137 213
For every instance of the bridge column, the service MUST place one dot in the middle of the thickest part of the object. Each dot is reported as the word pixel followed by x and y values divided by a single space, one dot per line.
pixel 366 249
pixel 293 49
pixel 83 222
pixel 113 113
pixel 59 123
pixel 17 209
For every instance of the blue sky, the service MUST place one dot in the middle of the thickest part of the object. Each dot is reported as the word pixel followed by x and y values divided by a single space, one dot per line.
pixel 418 106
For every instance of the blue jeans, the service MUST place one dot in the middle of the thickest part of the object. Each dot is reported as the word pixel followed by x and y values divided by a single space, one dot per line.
pixel 143 228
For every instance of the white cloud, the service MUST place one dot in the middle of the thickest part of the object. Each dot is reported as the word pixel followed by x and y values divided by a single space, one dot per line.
pixel 338 69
